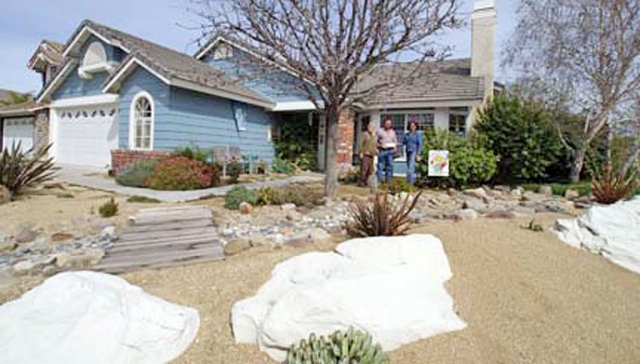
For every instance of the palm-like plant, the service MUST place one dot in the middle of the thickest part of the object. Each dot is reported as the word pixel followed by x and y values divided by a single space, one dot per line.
pixel 19 169
pixel 380 217
pixel 610 186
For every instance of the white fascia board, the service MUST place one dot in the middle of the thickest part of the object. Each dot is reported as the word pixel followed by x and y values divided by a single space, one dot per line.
pixel 56 80
pixel 129 67
pixel 221 93
pixel 297 106
pixel 424 104
pixel 85 101
pixel 86 29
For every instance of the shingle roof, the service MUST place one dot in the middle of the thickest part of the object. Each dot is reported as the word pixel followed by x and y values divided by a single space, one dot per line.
pixel 446 80
pixel 25 108
pixel 172 64
pixel 167 62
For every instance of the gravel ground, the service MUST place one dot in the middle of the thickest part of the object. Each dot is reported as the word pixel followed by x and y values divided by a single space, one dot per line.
pixel 527 298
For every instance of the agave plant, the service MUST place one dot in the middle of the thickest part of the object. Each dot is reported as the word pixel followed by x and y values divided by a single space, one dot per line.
pixel 609 186
pixel 380 217
pixel 350 347
pixel 19 169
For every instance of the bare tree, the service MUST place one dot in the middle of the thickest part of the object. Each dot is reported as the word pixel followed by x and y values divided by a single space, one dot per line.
pixel 334 44
pixel 589 49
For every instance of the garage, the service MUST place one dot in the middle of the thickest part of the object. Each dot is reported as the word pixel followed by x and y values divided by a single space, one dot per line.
pixel 85 136
pixel 18 130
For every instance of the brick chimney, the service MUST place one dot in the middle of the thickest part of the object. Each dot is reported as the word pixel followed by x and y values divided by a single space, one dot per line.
pixel 483 26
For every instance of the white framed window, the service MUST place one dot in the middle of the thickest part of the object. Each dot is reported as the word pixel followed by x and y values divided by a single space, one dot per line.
pixel 95 55
pixel 141 122
pixel 458 124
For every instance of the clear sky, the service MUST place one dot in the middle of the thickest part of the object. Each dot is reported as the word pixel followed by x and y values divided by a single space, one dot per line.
pixel 24 23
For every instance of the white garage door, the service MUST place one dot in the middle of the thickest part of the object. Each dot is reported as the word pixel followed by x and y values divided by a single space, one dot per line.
pixel 85 136
pixel 18 130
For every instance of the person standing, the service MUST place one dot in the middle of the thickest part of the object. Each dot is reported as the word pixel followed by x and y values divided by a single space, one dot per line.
pixel 413 148
pixel 387 144
pixel 368 150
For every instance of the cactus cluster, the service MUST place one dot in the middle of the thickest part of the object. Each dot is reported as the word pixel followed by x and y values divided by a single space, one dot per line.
pixel 350 347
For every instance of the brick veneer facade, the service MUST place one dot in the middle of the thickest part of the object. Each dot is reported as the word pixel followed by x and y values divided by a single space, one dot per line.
pixel 346 130
pixel 120 159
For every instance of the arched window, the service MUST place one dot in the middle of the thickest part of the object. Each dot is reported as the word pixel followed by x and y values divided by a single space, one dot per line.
pixel 141 122
pixel 94 55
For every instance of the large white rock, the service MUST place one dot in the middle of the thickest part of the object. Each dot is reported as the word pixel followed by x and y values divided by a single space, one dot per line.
pixel 612 231
pixel 392 288
pixel 87 317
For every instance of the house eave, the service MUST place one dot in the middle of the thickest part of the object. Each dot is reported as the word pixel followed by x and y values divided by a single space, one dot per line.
pixel 422 103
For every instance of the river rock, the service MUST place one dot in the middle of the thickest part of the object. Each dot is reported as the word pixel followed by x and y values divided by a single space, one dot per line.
pixel 26 233
pixel 80 259
pixel 478 193
pixel 237 246
pixel 571 194
pixel 546 190
pixel 245 208
pixel 465 214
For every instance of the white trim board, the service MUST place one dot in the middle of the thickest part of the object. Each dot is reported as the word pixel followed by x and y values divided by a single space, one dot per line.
pixel 81 33
pixel 296 106
pixel 84 101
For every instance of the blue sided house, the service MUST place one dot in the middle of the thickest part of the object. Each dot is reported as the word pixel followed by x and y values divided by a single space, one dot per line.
pixel 109 97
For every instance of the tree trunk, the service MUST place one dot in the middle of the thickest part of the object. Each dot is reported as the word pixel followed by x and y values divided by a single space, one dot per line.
pixel 331 169
pixel 578 163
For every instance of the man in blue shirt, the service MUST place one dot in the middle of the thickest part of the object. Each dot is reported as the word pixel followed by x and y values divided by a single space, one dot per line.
pixel 413 148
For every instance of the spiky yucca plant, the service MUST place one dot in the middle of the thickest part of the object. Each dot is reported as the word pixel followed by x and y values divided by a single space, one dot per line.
pixel 380 217
pixel 609 186
pixel 19 169
pixel 350 347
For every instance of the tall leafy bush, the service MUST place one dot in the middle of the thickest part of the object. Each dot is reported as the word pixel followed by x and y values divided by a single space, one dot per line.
pixel 137 174
pixel 182 173
pixel 521 135
pixel 469 164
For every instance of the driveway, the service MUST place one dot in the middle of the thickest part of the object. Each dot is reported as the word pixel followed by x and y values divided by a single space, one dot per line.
pixel 95 178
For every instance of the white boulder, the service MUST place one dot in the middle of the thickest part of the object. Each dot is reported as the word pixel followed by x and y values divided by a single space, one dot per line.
pixel 612 231
pixel 391 287
pixel 87 317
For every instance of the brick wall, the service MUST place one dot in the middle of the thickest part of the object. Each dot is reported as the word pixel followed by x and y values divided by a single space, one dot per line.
pixel 346 130
pixel 120 159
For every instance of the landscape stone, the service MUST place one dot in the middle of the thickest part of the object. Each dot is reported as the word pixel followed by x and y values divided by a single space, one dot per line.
pixel 24 267
pixel 79 260
pixel 245 208
pixel 6 244
pixel 288 207
pixel 571 194
pixel 58 237
pixel 473 203
pixel 391 287
pixel 532 196
pixel 465 214
pixel 108 234
pixel 546 190
pixel 26 233
pixel 237 246
pixel 478 193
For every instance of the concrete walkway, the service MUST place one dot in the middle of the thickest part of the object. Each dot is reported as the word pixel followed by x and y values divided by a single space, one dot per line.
pixel 96 179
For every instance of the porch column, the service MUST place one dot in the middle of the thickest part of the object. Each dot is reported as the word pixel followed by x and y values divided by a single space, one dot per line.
pixel 346 134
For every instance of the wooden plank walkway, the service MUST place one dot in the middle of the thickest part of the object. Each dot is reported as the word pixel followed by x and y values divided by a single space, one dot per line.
pixel 164 237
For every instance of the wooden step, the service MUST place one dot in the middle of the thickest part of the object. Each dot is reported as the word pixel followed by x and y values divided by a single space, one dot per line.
pixel 170 226
pixel 174 234
pixel 154 260
pixel 187 244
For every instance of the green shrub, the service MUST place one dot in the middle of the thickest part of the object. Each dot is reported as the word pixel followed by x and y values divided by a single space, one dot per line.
pixel 142 199
pixel 299 195
pixel 193 152
pixel 399 185
pixel 261 167
pixel 137 174
pixel 234 170
pixel 350 347
pixel 20 169
pixel 238 195
pixel 109 208
pixel 522 136
pixel 559 189
pixel 468 163
pixel 180 174
pixel 282 166
pixel 297 143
